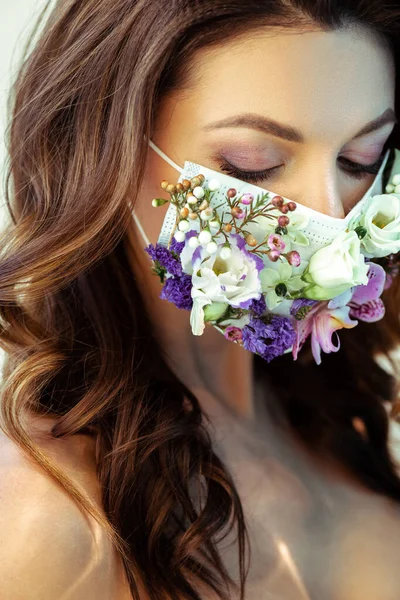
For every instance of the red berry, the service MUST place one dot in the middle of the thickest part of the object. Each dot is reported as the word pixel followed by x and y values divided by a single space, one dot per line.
pixel 292 206
pixel 277 201
pixel 231 193
pixel 284 209
pixel 283 221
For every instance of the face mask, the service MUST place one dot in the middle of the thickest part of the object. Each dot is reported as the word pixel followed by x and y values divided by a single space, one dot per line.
pixel 267 272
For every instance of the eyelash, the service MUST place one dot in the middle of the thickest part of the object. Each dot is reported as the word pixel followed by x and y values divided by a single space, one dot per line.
pixel 354 170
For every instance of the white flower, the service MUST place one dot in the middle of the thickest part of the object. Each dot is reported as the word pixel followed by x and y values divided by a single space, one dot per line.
pixel 214 224
pixel 179 236
pixel 204 237
pixel 277 283
pixel 207 214
pixel 381 220
pixel 212 247
pixel 214 185
pixel 198 192
pixel 335 268
pixel 231 281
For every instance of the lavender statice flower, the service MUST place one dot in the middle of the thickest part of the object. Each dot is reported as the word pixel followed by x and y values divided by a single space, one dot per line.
pixel 269 338
pixel 177 290
pixel 301 307
pixel 161 255
pixel 176 247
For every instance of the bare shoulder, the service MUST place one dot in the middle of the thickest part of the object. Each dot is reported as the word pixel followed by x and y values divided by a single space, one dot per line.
pixel 47 548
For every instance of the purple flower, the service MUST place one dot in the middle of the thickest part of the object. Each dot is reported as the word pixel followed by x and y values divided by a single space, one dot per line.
pixel 165 259
pixel 176 247
pixel 178 291
pixel 258 307
pixel 374 288
pixel 370 312
pixel 301 307
pixel 269 338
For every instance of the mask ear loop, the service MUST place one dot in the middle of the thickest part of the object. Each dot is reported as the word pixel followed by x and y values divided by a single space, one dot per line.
pixel 165 157
pixel 176 167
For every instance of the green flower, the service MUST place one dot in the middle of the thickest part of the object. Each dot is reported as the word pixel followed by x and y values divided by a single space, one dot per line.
pixel 279 284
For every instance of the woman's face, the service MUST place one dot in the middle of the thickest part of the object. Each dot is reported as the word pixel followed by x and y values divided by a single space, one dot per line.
pixel 299 114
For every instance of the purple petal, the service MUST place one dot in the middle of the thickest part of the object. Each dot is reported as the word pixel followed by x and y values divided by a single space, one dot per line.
pixel 370 311
pixel 196 254
pixel 374 288
pixel 240 242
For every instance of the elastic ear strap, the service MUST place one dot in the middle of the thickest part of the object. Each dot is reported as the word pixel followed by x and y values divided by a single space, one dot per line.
pixel 141 230
pixel 165 157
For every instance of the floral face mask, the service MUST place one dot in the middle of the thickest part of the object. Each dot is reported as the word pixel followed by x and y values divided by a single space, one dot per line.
pixel 268 272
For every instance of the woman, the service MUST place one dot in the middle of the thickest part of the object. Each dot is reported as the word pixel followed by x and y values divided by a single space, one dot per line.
pixel 193 461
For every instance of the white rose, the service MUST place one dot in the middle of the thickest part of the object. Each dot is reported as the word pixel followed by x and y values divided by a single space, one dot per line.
pixel 336 268
pixel 231 281
pixel 381 220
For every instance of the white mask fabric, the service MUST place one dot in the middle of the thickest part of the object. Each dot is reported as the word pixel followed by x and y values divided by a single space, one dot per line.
pixel 268 272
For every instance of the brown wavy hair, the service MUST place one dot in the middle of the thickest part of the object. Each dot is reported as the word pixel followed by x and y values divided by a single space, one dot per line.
pixel 79 344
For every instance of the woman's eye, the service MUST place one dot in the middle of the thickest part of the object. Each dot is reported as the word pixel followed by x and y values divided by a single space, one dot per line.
pixel 249 176
pixel 353 169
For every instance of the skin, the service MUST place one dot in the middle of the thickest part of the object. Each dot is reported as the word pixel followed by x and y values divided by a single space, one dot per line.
pixel 328 86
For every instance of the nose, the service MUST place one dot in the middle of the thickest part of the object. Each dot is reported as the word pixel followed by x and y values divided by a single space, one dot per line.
pixel 317 187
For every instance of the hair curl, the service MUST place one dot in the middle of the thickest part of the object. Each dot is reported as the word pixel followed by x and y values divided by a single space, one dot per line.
pixel 78 341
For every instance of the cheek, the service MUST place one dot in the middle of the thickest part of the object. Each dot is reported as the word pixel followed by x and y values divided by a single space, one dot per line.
pixel 353 192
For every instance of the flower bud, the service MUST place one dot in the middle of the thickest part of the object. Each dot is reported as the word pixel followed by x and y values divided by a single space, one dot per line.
pixel 184 225
pixel 396 179
pixel 225 253
pixel 186 184
pixel 195 182
pixel 215 311
pixel 201 177
pixel 231 193
pixel 212 247
pixel 179 188
pixel 283 221
pixel 193 242
pixel 164 184
pixel 193 216
pixel 214 224
pixel 191 199
pixel 294 258
pixel 171 188
pixel 389 188
pixel 179 236
pixel 184 212
pixel 251 240
pixel 274 255
pixel 284 209
pixel 228 227
pixel 158 202
pixel 277 201
pixel 237 213
pixel 247 199
pixel 198 192
pixel 207 214
pixel 205 237
pixel 292 206
pixel 214 185
pixel 203 205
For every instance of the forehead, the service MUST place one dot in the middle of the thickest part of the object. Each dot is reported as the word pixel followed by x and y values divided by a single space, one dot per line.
pixel 326 83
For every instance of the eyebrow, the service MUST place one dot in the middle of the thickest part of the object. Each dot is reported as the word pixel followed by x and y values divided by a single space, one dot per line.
pixel 291 134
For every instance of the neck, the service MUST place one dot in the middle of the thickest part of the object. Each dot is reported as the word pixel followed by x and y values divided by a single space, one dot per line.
pixel 215 370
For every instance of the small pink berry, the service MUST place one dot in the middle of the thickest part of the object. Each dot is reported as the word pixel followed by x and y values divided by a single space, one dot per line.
pixel 294 258
pixel 283 221
pixel 284 209
pixel 277 201
pixel 247 199
pixel 292 206
pixel 231 193
pixel 274 255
